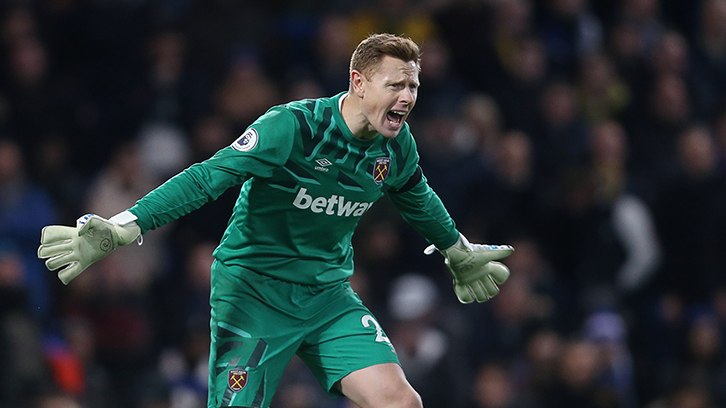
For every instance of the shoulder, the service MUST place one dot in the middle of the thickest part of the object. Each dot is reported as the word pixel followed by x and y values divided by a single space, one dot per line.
pixel 278 121
pixel 274 131
pixel 297 113
pixel 312 108
pixel 276 112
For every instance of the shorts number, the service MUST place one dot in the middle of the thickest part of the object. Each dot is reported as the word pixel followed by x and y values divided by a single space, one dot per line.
pixel 367 320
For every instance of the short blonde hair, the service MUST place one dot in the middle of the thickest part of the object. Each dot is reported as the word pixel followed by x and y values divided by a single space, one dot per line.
pixel 371 51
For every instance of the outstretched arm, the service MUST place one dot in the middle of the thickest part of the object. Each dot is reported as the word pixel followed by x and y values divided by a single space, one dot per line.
pixel 72 250
pixel 473 267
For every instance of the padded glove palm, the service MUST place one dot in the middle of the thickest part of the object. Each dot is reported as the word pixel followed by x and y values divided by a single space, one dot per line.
pixel 75 249
pixel 474 269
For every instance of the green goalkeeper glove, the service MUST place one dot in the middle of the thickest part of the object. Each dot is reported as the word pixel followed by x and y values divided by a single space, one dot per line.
pixel 473 267
pixel 92 239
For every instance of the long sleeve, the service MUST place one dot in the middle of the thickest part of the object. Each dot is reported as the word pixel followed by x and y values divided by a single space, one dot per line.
pixel 252 154
pixel 182 194
pixel 425 212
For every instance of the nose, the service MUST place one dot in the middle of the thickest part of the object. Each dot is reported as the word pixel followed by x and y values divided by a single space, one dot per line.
pixel 407 96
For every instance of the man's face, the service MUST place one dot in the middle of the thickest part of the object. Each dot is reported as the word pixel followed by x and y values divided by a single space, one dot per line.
pixel 389 95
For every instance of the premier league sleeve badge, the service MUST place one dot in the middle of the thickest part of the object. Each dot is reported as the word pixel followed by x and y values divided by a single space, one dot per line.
pixel 247 141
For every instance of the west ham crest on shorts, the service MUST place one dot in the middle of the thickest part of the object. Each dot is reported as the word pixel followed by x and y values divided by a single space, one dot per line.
pixel 381 169
pixel 237 379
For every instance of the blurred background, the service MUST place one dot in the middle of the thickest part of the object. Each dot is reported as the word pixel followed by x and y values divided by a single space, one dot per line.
pixel 591 135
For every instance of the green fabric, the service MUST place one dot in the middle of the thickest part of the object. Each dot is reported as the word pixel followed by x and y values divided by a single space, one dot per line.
pixel 259 322
pixel 306 183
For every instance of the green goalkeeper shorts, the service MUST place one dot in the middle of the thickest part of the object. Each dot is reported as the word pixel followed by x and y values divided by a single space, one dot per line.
pixel 259 323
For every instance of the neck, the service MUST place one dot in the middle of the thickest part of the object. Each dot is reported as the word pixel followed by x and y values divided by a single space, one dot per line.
pixel 354 118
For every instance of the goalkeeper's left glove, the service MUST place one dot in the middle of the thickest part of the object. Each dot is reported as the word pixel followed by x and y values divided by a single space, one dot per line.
pixel 77 248
pixel 473 267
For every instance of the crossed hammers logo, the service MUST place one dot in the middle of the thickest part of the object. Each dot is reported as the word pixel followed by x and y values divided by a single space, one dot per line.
pixel 237 379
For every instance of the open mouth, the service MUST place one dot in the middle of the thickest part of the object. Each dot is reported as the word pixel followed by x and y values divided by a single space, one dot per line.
pixel 395 118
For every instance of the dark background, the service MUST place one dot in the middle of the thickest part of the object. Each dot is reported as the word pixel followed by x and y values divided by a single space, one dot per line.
pixel 591 135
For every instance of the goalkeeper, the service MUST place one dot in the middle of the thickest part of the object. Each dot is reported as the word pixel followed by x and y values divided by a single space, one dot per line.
pixel 309 170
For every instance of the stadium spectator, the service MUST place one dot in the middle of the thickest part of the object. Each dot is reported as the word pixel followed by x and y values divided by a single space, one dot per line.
pixel 92 76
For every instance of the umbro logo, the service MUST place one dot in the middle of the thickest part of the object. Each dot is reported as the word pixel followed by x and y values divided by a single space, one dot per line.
pixel 323 164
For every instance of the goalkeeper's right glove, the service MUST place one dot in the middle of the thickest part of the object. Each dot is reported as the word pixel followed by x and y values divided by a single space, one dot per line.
pixel 474 269
pixel 75 249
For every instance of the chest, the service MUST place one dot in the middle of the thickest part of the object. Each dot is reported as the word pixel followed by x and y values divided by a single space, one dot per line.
pixel 334 166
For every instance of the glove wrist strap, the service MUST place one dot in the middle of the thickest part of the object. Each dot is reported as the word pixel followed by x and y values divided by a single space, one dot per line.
pixel 123 218
pixel 461 244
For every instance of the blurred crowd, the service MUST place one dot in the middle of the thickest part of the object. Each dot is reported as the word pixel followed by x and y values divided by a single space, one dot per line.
pixel 589 134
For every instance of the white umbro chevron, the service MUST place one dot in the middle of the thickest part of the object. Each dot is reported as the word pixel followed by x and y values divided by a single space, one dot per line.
pixel 322 164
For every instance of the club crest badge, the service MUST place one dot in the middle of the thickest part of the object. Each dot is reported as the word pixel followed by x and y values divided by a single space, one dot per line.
pixel 381 169
pixel 247 141
pixel 237 380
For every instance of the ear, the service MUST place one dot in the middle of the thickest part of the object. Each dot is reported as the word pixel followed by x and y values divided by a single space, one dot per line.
pixel 357 82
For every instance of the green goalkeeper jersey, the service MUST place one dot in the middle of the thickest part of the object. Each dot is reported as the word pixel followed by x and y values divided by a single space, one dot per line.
pixel 306 182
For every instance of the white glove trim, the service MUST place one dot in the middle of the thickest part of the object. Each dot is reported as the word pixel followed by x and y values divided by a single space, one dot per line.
pixel 123 218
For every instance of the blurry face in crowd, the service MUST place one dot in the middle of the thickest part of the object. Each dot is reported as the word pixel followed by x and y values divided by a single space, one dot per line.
pixel 10 161
pixel 388 95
